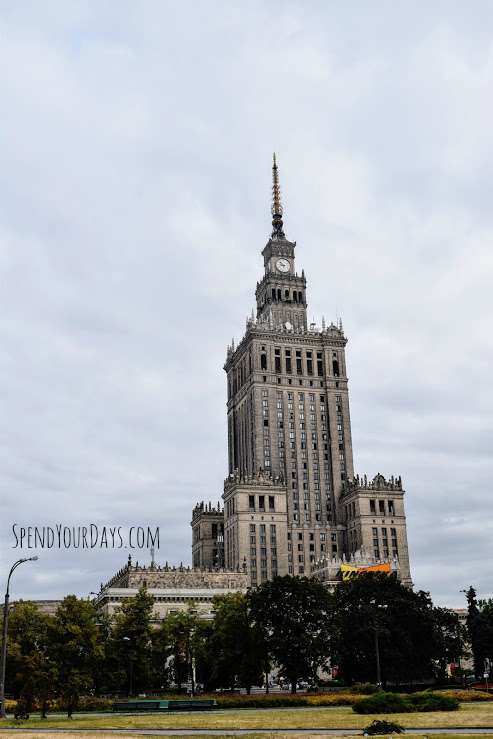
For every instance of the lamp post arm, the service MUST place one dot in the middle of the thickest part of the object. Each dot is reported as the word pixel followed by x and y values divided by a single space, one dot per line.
pixel 3 653
pixel 14 566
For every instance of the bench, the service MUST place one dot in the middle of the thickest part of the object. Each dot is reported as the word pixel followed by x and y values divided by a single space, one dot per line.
pixel 166 705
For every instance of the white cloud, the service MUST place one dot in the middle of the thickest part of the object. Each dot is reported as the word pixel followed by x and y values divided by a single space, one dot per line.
pixel 136 155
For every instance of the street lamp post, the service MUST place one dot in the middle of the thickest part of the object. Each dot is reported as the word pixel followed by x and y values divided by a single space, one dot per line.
pixel 130 665
pixel 377 655
pixel 3 661
pixel 376 626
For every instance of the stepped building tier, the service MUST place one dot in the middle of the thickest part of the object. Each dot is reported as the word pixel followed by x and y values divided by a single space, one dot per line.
pixel 173 589
pixel 208 535
pixel 291 498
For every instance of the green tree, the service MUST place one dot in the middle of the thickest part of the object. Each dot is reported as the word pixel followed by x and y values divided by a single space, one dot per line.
pixel 486 610
pixel 237 644
pixel 449 640
pixel 293 615
pixel 183 634
pixel 75 647
pixel 131 641
pixel 203 653
pixel 375 612
pixel 161 654
pixel 30 665
pixel 479 625
pixel 106 670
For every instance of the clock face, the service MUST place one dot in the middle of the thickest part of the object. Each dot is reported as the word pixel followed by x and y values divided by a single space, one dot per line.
pixel 283 265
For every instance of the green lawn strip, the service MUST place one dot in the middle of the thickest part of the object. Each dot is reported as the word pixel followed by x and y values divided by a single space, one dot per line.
pixel 88 735
pixel 469 715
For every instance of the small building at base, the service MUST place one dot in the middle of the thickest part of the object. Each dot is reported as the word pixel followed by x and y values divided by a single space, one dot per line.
pixel 174 589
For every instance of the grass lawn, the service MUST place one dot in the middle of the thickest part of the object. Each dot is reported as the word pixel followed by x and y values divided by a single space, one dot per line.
pixel 90 735
pixel 469 715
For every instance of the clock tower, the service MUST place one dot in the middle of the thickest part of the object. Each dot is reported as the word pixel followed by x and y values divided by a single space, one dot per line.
pixel 281 294
pixel 291 498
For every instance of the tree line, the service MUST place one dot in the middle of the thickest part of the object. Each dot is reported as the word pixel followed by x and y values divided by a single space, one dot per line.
pixel 291 624
pixel 480 631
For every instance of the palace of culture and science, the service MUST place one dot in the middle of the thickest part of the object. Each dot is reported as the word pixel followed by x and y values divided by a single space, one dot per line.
pixel 291 499
pixel 292 503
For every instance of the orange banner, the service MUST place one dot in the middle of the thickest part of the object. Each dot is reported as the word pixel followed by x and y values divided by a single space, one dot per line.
pixel 348 570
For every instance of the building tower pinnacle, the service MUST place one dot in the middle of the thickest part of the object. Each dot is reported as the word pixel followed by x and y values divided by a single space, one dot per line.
pixel 276 208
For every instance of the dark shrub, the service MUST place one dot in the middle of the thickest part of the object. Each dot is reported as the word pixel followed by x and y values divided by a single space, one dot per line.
pixel 364 688
pixel 22 709
pixel 272 700
pixel 383 703
pixel 429 701
pixel 383 727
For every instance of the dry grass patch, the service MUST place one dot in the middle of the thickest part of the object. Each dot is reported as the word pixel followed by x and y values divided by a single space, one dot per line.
pixel 469 715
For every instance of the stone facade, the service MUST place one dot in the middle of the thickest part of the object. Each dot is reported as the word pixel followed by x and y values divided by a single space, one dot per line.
pixel 173 588
pixel 48 607
pixel 291 498
pixel 208 535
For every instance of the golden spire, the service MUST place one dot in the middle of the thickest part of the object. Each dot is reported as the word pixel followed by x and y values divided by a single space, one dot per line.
pixel 276 208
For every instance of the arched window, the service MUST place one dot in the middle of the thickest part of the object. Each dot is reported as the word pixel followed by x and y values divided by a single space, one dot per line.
pixel 300 296
pixel 263 361
pixel 273 293
pixel 279 293
pixel 286 295
pixel 295 296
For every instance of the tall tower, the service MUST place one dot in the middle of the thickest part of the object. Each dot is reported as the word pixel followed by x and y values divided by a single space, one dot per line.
pixel 291 498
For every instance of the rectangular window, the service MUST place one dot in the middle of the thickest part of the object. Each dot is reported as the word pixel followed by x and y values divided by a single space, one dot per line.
pixel 381 507
pixel 299 367
pixel 251 506
pixel 372 507
pixel 271 502
pixel 320 365
pixel 261 502
pixel 390 504
pixel 309 363
pixel 288 361
pixel 277 360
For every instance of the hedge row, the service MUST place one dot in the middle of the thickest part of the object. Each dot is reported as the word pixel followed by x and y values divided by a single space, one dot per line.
pixel 273 700
pixel 398 703
pixel 394 702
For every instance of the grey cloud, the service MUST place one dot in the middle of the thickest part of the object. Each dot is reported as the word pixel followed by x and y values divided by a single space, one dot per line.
pixel 136 150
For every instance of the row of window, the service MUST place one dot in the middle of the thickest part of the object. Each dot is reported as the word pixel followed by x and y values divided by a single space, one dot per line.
pixel 381 543
pixel 287 361
pixel 277 295
pixel 259 551
pixel 261 503
pixel 383 507
pixel 298 361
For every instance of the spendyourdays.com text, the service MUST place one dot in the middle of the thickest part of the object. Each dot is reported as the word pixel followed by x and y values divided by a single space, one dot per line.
pixel 91 536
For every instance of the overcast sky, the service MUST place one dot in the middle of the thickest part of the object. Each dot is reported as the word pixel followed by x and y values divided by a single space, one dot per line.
pixel 135 143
